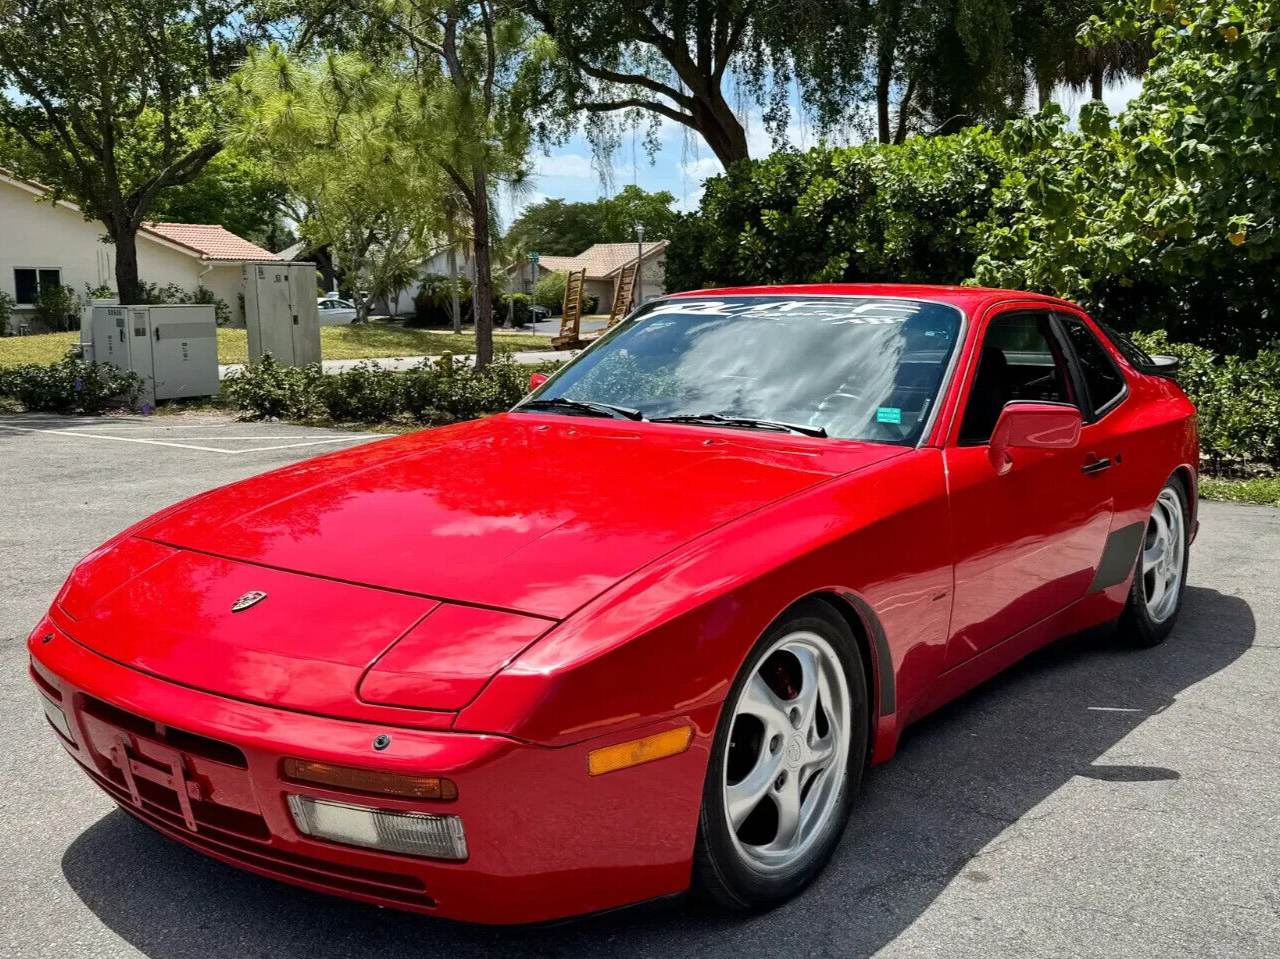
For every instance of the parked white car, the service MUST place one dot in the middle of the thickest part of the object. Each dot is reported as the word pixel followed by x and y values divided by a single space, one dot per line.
pixel 335 312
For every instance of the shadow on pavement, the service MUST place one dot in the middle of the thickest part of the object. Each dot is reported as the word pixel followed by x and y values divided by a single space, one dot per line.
pixel 961 777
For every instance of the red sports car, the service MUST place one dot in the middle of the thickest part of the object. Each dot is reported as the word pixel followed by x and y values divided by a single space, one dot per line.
pixel 646 630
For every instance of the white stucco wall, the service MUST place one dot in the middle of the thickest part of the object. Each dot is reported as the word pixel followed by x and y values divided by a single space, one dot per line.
pixel 44 235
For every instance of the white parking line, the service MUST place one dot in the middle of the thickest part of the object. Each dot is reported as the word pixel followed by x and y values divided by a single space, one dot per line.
pixel 184 446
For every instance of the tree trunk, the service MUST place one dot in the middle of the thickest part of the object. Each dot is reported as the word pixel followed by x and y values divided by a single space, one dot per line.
pixel 324 263
pixel 127 286
pixel 453 283
pixel 483 285
pixel 1096 83
pixel 715 122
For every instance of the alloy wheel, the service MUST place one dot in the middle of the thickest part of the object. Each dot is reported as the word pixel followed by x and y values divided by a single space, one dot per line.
pixel 788 751
pixel 1163 554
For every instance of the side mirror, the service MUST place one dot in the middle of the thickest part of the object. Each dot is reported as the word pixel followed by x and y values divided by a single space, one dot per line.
pixel 536 380
pixel 1032 426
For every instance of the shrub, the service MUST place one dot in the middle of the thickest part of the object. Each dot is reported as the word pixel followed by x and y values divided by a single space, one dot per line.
pixel 7 304
pixel 850 214
pixel 1237 400
pixel 173 293
pixel 367 393
pixel 446 389
pixel 549 291
pixel 267 389
pixel 502 306
pixel 70 386
pixel 58 309
pixel 434 301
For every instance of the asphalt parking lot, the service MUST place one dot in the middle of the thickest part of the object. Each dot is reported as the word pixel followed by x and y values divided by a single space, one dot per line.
pixel 1094 801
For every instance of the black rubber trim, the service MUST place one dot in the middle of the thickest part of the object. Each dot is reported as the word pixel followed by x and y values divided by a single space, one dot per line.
pixel 1118 557
pixel 884 661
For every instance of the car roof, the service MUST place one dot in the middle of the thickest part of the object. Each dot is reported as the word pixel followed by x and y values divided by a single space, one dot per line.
pixel 967 298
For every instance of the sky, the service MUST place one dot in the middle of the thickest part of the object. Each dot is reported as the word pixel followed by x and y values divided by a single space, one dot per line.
pixel 683 162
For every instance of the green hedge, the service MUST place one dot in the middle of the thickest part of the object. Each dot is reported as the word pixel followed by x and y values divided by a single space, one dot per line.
pixel 1237 400
pixel 69 386
pixel 436 392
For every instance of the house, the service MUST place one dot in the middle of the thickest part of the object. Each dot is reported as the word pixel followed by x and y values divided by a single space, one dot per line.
pixel 604 263
pixel 50 243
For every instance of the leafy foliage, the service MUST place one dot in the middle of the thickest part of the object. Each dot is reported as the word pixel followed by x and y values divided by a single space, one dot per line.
pixel 439 391
pixel 70 386
pixel 108 102
pixel 557 228
pixel 7 304
pixel 1167 218
pixel 58 309
pixel 549 292
pixel 240 193
pixel 433 303
pixel 905 213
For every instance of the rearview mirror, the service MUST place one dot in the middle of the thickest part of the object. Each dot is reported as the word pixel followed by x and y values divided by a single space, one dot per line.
pixel 536 380
pixel 1032 426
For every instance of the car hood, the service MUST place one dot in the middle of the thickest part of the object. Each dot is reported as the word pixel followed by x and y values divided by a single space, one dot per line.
pixel 521 512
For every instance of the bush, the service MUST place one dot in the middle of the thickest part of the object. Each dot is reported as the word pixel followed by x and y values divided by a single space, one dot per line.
pixel 851 214
pixel 502 306
pixel 1237 400
pixel 367 393
pixel 7 304
pixel 58 309
pixel 70 386
pixel 549 292
pixel 267 389
pixel 440 391
pixel 434 301
pixel 173 293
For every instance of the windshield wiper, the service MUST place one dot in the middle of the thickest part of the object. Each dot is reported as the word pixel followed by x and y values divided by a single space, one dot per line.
pixel 582 406
pixel 719 419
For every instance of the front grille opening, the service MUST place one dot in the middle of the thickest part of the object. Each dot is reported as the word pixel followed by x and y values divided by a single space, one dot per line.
pixel 179 739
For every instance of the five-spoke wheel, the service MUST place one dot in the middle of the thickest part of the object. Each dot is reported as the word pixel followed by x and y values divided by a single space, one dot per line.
pixel 787 758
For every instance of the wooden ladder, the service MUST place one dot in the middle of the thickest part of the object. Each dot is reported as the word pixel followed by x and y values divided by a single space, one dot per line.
pixel 623 295
pixel 571 317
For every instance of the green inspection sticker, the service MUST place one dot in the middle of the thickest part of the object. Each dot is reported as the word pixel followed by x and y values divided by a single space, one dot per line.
pixel 888 414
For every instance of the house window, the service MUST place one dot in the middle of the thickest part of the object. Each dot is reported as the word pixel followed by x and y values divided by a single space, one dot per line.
pixel 29 282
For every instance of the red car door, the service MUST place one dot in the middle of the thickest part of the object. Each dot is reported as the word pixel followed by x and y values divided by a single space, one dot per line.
pixel 1027 542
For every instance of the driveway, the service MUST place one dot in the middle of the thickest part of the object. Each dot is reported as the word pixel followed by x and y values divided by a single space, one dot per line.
pixel 1095 801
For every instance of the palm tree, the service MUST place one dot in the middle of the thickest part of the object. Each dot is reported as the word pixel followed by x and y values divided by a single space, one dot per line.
pixel 1055 55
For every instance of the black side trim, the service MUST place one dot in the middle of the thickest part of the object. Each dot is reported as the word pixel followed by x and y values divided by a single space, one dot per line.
pixel 1119 556
pixel 884 661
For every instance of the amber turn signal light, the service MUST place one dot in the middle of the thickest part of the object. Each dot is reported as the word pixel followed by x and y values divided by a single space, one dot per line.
pixel 609 759
pixel 369 781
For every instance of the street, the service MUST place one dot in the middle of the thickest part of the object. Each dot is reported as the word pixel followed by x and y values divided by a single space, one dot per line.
pixel 1093 801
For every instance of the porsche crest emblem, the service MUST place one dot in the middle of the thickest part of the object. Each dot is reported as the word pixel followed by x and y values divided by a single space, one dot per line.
pixel 251 598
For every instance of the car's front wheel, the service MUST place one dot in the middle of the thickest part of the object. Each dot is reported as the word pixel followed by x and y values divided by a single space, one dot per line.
pixel 786 762
pixel 1155 598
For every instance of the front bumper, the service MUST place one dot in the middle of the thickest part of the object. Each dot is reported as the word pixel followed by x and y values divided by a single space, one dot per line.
pixel 545 840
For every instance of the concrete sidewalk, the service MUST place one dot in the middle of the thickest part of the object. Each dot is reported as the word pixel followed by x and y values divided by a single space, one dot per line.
pixel 401 363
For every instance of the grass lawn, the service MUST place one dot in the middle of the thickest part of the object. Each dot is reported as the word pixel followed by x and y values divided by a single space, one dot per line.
pixel 1264 491
pixel 356 342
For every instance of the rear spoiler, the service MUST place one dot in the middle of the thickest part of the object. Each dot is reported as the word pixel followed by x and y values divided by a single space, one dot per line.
pixel 1163 365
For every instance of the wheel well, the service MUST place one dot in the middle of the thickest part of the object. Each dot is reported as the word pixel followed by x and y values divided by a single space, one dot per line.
pixel 1184 476
pixel 846 611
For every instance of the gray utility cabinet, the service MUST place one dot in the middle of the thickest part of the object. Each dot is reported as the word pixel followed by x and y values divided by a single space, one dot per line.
pixel 172 348
pixel 280 312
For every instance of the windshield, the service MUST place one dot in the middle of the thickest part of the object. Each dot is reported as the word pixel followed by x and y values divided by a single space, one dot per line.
pixel 862 368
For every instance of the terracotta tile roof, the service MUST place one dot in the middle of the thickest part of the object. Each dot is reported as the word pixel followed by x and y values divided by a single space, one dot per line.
pixel 211 241
pixel 601 260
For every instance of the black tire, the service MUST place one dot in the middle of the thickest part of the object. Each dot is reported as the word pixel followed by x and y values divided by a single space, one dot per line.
pixel 1136 626
pixel 720 873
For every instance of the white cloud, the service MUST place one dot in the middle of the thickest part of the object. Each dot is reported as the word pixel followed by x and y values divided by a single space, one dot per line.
pixel 701 168
pixel 573 165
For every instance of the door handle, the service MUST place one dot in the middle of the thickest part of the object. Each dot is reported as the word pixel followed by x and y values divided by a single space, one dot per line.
pixel 1097 466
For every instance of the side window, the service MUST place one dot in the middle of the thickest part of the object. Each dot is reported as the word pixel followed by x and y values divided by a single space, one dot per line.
pixel 1102 379
pixel 1020 360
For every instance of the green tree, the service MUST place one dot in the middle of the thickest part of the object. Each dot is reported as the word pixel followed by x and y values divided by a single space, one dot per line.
pixel 1170 216
pixel 346 137
pixel 698 64
pixel 112 99
pixel 237 192
pixel 557 228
